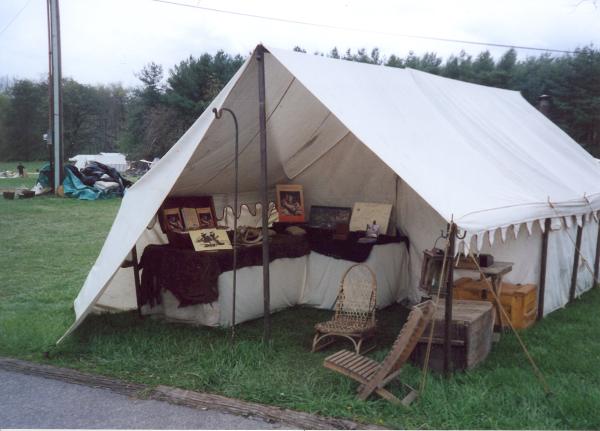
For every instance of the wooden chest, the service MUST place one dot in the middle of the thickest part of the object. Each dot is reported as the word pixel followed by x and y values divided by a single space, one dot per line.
pixel 520 303
pixel 471 334
pixel 518 300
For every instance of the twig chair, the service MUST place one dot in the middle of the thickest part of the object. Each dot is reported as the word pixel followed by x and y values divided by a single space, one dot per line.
pixel 354 317
pixel 373 376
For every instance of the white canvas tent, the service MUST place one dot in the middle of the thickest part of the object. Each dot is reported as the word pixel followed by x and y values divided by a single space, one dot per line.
pixel 114 160
pixel 440 150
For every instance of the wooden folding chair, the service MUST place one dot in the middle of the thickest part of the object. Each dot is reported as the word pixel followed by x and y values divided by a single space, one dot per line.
pixel 354 317
pixel 374 376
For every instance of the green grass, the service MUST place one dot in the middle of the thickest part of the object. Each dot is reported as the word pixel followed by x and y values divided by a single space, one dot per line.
pixel 11 184
pixel 48 246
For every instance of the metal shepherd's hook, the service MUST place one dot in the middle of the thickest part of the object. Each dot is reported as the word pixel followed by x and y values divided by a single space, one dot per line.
pixel 218 114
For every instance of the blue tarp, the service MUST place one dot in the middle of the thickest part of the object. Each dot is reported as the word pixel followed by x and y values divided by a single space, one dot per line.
pixel 74 187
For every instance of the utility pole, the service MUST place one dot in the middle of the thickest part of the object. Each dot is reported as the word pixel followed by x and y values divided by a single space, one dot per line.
pixel 55 92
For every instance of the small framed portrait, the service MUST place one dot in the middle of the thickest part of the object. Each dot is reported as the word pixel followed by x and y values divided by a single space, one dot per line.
pixel 210 239
pixel 173 220
pixel 205 218
pixel 290 203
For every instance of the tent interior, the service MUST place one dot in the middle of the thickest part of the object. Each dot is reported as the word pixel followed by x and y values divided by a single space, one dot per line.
pixel 438 150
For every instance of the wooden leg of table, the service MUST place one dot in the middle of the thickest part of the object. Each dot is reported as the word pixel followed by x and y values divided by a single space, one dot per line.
pixel 497 284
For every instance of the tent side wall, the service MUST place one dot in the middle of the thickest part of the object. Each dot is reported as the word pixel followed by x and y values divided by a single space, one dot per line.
pixel 423 226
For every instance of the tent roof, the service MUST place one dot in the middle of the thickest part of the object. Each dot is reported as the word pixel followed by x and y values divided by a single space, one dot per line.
pixel 480 156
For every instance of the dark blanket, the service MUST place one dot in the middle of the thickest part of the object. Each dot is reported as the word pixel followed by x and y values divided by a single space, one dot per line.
pixel 321 242
pixel 192 277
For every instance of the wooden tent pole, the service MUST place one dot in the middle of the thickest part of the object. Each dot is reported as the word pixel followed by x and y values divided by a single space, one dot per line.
pixel 542 286
pixel 448 304
pixel 576 261
pixel 262 121
pixel 136 279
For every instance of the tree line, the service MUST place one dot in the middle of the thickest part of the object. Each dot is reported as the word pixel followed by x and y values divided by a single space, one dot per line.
pixel 146 120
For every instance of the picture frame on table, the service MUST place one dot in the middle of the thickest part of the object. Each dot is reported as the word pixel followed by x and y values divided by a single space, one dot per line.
pixel 210 240
pixel 173 220
pixel 328 218
pixel 190 218
pixel 205 218
pixel 370 213
pixel 290 203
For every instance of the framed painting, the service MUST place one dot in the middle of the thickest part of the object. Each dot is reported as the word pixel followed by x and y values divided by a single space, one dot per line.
pixel 322 217
pixel 369 213
pixel 173 220
pixel 205 218
pixel 290 203
pixel 210 239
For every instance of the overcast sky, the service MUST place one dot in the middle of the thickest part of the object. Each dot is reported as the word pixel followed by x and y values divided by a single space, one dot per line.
pixel 109 40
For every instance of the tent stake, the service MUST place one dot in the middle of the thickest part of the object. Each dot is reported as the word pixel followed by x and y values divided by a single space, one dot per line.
pixel 542 286
pixel 576 262
pixel 218 114
pixel 262 121
pixel 448 304
pixel 597 259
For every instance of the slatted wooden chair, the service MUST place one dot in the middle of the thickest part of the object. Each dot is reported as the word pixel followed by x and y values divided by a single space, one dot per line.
pixel 373 376
pixel 354 317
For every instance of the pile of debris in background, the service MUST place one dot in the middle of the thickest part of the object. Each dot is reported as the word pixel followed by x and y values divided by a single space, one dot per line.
pixel 95 181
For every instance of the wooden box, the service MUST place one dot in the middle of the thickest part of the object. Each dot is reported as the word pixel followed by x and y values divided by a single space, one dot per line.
pixel 471 335
pixel 518 300
pixel 520 303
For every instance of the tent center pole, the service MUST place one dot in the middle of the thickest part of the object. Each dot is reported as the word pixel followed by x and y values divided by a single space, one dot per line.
pixel 262 121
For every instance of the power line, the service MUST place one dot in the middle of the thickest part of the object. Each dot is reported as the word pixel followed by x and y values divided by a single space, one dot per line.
pixel 385 33
pixel 15 17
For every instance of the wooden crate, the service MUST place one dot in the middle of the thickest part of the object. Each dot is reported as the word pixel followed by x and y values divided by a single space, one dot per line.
pixel 471 289
pixel 471 335
pixel 518 300
pixel 520 303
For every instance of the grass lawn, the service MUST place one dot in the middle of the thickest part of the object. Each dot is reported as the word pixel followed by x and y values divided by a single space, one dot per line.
pixel 49 245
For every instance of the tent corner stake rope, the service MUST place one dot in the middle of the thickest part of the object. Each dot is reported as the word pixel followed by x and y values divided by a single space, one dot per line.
pixel 536 370
pixel 218 114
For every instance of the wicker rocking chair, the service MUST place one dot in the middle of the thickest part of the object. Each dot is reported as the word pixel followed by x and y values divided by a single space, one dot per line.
pixel 354 317
pixel 373 376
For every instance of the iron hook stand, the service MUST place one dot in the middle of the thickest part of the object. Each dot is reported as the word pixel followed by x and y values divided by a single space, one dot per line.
pixel 218 114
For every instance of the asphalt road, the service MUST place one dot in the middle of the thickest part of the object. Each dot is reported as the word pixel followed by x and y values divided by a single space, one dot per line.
pixel 35 402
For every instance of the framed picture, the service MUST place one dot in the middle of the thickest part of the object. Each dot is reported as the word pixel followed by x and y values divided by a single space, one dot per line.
pixel 365 213
pixel 173 220
pixel 210 239
pixel 190 218
pixel 290 203
pixel 205 218
pixel 322 217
